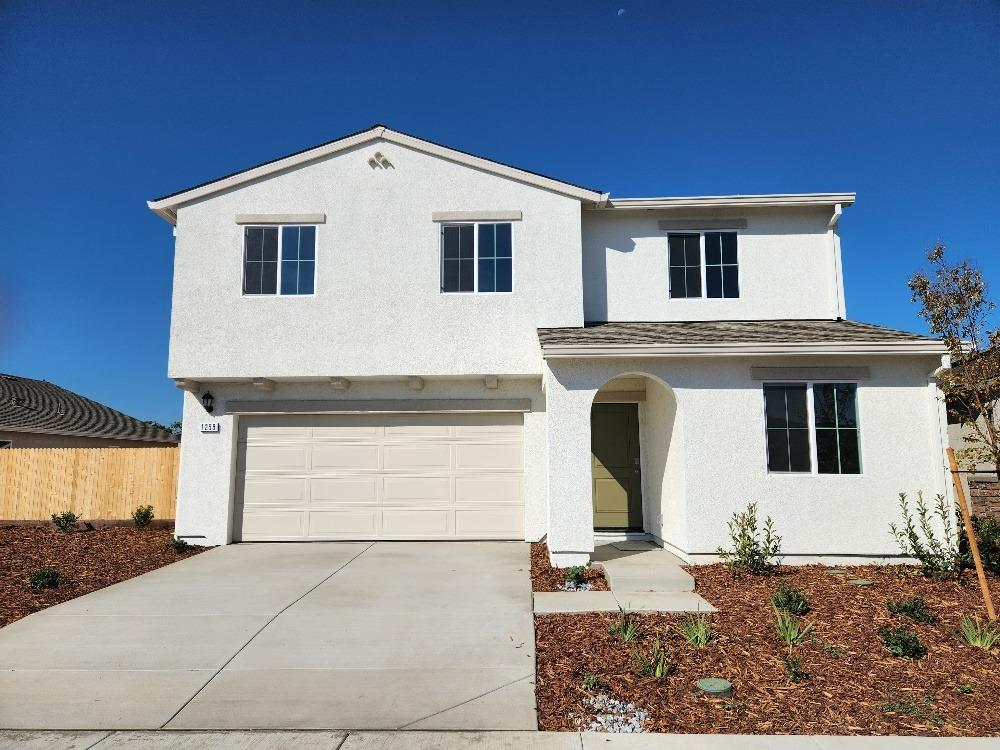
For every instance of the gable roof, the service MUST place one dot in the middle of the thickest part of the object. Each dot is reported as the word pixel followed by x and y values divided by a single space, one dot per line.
pixel 733 337
pixel 28 405
pixel 166 206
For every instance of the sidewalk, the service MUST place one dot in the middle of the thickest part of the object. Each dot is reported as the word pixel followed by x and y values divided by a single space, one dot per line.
pixel 412 740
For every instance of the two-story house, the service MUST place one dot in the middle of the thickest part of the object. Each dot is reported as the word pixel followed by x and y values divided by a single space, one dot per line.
pixel 386 338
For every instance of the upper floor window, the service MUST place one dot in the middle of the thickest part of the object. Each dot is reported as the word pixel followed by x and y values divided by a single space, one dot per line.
pixel 703 261
pixel 476 258
pixel 830 427
pixel 279 260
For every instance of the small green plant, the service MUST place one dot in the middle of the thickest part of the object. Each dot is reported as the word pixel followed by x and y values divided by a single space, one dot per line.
pixel 593 683
pixel 979 634
pixel 794 668
pixel 965 688
pixel 142 516
pixel 627 629
pixel 835 652
pixel 913 607
pixel 902 643
pixel 45 577
pixel 751 553
pixel 697 629
pixel 576 576
pixel 987 531
pixel 65 521
pixel 178 545
pixel 790 599
pixel 657 664
pixel 790 628
pixel 939 557
pixel 910 707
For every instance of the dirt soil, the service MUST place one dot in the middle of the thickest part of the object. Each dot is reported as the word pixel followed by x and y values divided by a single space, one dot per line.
pixel 855 686
pixel 87 561
pixel 546 578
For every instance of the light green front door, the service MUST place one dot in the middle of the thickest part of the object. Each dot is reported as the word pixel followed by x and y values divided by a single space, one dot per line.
pixel 616 481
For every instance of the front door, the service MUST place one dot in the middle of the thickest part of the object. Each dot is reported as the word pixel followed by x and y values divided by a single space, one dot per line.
pixel 614 459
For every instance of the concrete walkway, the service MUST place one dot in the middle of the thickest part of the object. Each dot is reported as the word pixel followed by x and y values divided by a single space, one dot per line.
pixel 642 578
pixel 321 740
pixel 291 636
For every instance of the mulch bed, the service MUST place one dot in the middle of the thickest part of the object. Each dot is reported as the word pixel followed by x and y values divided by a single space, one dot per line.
pixel 87 561
pixel 855 686
pixel 546 578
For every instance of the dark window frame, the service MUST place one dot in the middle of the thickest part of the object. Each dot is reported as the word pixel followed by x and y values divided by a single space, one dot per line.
pixel 703 265
pixel 281 263
pixel 490 266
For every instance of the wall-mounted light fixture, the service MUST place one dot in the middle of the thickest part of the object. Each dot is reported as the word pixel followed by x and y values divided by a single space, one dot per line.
pixel 208 401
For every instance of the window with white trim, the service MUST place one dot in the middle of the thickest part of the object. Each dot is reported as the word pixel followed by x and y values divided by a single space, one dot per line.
pixel 476 258
pixel 700 261
pixel 812 425
pixel 279 260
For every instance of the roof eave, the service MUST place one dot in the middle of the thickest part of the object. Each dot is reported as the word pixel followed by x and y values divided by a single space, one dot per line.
pixel 85 434
pixel 557 351
pixel 729 201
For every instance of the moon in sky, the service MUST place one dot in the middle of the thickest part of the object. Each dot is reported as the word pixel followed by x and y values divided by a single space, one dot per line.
pixel 621 11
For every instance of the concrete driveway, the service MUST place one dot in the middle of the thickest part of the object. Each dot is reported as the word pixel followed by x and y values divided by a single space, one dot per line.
pixel 390 635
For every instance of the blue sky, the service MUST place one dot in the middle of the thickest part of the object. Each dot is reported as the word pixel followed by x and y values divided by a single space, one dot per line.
pixel 104 105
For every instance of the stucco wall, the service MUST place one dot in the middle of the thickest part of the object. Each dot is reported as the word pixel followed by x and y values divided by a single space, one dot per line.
pixel 786 259
pixel 724 460
pixel 378 309
pixel 43 440
pixel 662 454
pixel 207 472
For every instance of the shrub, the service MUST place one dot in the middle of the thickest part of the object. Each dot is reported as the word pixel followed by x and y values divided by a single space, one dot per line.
pixel 988 535
pixel 791 628
pixel 627 629
pixel 657 664
pixel 697 629
pixel 65 521
pixel 750 553
pixel 938 558
pixel 594 682
pixel 979 634
pixel 902 642
pixel 178 545
pixel 913 607
pixel 794 669
pixel 142 516
pixel 576 575
pixel 965 688
pixel 45 577
pixel 790 600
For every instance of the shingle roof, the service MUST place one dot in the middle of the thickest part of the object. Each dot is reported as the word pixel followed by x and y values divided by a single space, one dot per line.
pixel 28 405
pixel 722 332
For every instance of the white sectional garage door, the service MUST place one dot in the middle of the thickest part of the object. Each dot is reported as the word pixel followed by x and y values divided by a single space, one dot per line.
pixel 400 476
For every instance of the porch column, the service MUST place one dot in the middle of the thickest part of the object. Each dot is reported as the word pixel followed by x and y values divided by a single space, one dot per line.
pixel 571 515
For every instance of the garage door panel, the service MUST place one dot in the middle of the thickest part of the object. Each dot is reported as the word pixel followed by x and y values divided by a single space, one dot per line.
pixel 277 458
pixel 489 456
pixel 291 491
pixel 417 489
pixel 344 523
pixel 491 490
pixel 352 457
pixel 410 523
pixel 350 490
pixel 381 476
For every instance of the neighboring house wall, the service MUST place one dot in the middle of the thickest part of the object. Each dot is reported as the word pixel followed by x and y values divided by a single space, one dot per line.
pixel 981 487
pixel 787 267
pixel 721 427
pixel 46 440
pixel 206 491
pixel 378 309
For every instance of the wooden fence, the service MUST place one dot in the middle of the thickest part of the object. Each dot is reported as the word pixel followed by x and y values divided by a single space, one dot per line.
pixel 94 483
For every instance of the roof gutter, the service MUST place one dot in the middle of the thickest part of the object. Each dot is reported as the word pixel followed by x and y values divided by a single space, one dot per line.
pixel 729 201
pixel 556 351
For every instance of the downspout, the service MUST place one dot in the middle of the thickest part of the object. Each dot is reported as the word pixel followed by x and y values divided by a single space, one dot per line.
pixel 833 232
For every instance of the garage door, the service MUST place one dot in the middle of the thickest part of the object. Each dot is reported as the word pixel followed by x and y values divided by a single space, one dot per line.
pixel 405 476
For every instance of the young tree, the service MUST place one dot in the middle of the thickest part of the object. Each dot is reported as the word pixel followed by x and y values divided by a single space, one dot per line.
pixel 954 301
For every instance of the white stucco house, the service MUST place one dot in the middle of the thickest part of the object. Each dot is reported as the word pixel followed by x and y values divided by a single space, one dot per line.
pixel 400 340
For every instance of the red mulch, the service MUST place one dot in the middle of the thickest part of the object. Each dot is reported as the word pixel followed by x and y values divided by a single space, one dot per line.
pixel 863 690
pixel 546 578
pixel 87 560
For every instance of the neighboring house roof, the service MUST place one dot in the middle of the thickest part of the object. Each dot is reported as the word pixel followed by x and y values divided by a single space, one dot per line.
pixel 732 337
pixel 28 405
pixel 166 206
